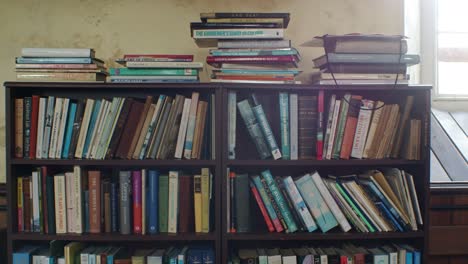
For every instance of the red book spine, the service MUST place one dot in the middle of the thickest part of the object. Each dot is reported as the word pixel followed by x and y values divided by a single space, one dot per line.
pixel 33 135
pixel 262 208
pixel 44 198
pixel 320 110
pixel 350 127
pixel 94 182
pixel 359 258
pixel 27 204
pixel 137 210
pixel 343 260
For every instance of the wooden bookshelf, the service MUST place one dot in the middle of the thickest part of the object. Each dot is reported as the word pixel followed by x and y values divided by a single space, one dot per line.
pixel 220 239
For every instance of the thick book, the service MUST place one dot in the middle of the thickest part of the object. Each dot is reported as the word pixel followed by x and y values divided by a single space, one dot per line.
pixel 231 205
pixel 284 125
pixel 197 200
pixel 77 199
pixel 84 128
pixel 92 127
pixel 94 181
pixel 173 202
pixel 68 131
pixel 206 17
pixel 150 119
pixel 360 43
pixel 129 130
pixel 214 25
pixel 137 202
pixel 114 204
pixel 365 68
pixel 265 127
pixel 408 59
pixel 188 146
pixel 170 141
pixel 61 76
pixel 293 126
pixel 57 52
pixel 19 130
pixel 299 204
pixel 125 199
pixel 186 220
pixel 253 128
pixel 307 126
pixel 153 201
pixel 106 204
pixel 354 107
pixel 19 203
pixel 242 196
pixel 280 201
pixel 163 195
pixel 367 152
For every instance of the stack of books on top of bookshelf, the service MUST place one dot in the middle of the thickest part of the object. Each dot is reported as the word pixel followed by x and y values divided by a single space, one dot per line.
pixel 161 127
pixel 373 201
pixel 250 47
pixel 156 68
pixel 346 253
pixel 59 64
pixel 62 252
pixel 146 201
pixel 356 127
pixel 362 59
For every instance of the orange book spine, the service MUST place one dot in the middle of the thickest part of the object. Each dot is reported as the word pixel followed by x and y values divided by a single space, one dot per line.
pixel 350 127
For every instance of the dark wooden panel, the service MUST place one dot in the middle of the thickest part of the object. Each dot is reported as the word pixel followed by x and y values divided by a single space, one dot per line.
pixel 453 130
pixel 446 240
pixel 446 152
pixel 459 259
pixel 439 260
pixel 462 120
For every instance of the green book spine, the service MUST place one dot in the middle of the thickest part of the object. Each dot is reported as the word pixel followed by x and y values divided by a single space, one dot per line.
pixel 50 204
pixel 341 126
pixel 284 123
pixel 288 218
pixel 163 202
pixel 253 128
pixel 145 72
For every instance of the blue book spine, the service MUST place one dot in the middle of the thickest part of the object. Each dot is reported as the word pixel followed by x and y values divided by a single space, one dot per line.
pixel 299 204
pixel 267 132
pixel 69 131
pixel 284 123
pixel 153 81
pixel 114 196
pixel 389 215
pixel 253 128
pixel 153 201
pixel 409 257
pixel 86 210
pixel 417 257
pixel 208 256
pixel 92 124
pixel 194 256
pixel 54 60
pixel 21 258
pixel 279 199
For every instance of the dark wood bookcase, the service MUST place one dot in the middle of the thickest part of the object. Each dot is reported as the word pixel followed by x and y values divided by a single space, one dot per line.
pixel 246 160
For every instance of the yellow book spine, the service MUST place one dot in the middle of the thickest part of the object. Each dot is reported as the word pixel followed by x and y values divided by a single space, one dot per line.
pixel 197 201
pixel 20 204
pixel 205 193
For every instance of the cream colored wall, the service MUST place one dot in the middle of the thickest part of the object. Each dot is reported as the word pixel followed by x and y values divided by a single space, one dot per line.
pixel 116 27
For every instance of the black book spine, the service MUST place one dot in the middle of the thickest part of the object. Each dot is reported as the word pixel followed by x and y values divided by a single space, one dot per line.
pixel 275 205
pixel 232 194
pixel 27 126
pixel 242 203
pixel 76 128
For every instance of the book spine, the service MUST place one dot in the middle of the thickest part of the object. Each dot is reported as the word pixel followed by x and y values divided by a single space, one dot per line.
pixel 199 129
pixel 69 131
pixel 92 128
pixel 61 129
pixel 124 180
pixel 26 204
pixel 55 127
pixel 259 33
pixel 183 128
pixel 22 60
pixel 268 203
pixel 299 204
pixel 50 205
pixel 94 179
pixel 331 107
pixel 262 207
pixel 153 187
pixel 350 127
pixel 242 197
pixel 297 219
pixel 320 110
pixel 27 126
pixel 60 204
pixel 152 72
pixel 173 202
pixel 307 126
pixel 106 201
pixel 48 126
pixel 362 128
pixel 158 135
pixel 78 200
pixel 340 129
pixel 274 44
pixel 119 128
pixel 114 207
pixel 163 203
pixel 128 130
pixel 279 199
pixel 70 203
pixel 232 196
pixel 331 142
pixel 293 122
pixel 253 128
pixel 35 194
pixel 34 119
pixel 19 123
pixel 84 128
pixel 232 120
pixel 284 124
pixel 76 128
pixel 197 198
pixel 139 126
pixel 56 52
pixel 137 207
pixel 267 133
pixel 372 129
pixel 19 193
pixel 206 194
pixel 104 113
pixel 40 126
pixel 109 129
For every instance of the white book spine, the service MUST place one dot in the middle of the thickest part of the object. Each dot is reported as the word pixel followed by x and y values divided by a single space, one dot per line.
pixel 191 126
pixel 40 126
pixel 112 128
pixel 152 126
pixel 77 201
pixel 107 126
pixel 105 114
pixel 63 122
pixel 84 258
pixel 96 128
pixel 60 204
pixel 251 33
pixel 344 224
pixel 35 200
pixel 232 116
pixel 336 114
pixel 49 118
pixel 70 195
pixel 293 122
pixel 414 197
pixel 173 201
pixel 84 128
pixel 56 52
pixel 183 128
pixel 299 204
pixel 362 128
pixel 55 127
pixel 393 257
pixel 331 109
pixel 372 128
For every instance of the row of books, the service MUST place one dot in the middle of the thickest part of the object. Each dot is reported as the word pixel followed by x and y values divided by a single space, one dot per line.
pixel 362 59
pixel 59 64
pixel 250 47
pixel 355 128
pixel 346 254
pixel 163 127
pixel 370 202
pixel 132 202
pixel 156 68
pixel 61 252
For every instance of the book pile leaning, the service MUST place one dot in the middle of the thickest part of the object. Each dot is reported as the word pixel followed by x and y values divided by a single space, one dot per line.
pixel 138 201
pixel 161 127
pixel 59 64
pixel 373 201
pixel 362 59
pixel 156 68
pixel 251 47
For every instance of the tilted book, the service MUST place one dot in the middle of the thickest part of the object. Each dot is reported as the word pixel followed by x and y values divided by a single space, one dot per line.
pixel 299 204
pixel 253 128
pixel 191 126
pixel 362 128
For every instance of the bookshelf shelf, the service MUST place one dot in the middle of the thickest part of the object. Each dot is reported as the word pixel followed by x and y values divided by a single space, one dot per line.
pixel 120 163
pixel 115 237
pixel 322 163
pixel 327 236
